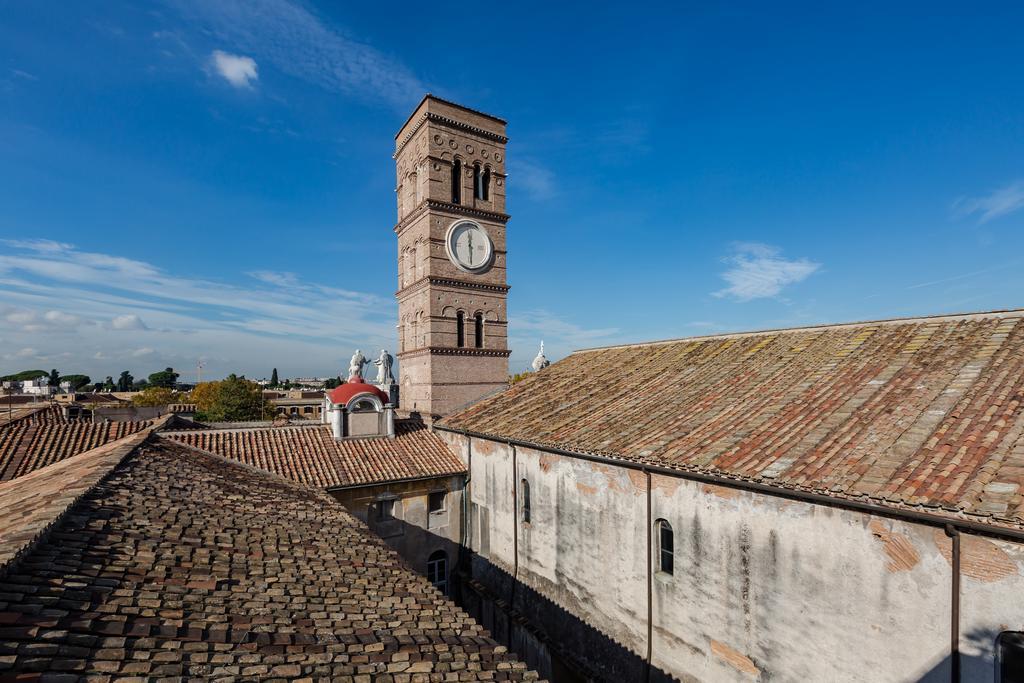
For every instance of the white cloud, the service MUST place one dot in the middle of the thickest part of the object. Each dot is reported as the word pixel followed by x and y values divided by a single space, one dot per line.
pixel 295 41
pixel 27 352
pixel 128 321
pixel 277 318
pixel 238 70
pixel 144 351
pixel 537 181
pixel 999 202
pixel 758 271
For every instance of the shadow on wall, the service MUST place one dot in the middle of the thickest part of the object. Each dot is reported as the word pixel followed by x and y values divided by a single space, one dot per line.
pixel 973 668
pixel 557 644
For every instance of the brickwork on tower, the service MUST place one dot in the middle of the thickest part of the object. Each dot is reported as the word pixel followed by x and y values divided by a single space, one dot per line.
pixel 450 164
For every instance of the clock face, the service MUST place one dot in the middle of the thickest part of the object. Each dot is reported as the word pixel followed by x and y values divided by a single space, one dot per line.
pixel 469 247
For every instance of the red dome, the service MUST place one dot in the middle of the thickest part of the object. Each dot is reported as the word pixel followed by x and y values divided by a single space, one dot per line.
pixel 345 392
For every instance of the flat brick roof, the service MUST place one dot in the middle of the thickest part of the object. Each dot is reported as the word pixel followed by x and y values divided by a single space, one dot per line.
pixel 168 563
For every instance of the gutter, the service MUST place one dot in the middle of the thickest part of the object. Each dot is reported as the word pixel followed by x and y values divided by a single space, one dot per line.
pixel 926 518
pixel 349 487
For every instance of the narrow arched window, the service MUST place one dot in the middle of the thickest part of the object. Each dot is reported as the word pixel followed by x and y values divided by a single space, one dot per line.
pixel 666 546
pixel 478 182
pixel 478 330
pixel 457 182
pixel 525 488
pixel 487 184
pixel 437 570
pixel 460 329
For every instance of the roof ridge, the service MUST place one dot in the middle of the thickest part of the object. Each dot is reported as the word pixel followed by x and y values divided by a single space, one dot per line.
pixel 39 515
pixel 938 317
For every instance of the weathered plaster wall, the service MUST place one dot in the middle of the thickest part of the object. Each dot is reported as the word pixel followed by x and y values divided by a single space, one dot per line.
pixel 768 588
pixel 413 533
pixel 992 600
pixel 764 588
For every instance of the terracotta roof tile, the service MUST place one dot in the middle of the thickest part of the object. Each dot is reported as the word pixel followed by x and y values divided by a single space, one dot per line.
pixel 913 412
pixel 180 564
pixel 310 454
pixel 31 443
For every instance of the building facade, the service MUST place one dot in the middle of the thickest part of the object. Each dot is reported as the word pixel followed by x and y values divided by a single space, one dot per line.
pixel 452 285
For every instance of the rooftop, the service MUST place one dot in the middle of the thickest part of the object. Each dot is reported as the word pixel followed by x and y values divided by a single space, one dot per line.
pixel 154 561
pixel 310 454
pixel 925 412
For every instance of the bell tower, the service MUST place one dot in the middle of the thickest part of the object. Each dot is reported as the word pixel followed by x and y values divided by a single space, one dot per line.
pixel 452 287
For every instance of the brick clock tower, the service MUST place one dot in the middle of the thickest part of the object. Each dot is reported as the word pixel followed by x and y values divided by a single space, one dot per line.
pixel 452 290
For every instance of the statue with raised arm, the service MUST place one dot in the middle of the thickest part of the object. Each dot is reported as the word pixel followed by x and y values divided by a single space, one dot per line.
pixel 383 363
pixel 541 361
pixel 355 366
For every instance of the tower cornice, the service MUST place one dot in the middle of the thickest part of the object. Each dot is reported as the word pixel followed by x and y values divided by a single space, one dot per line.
pixel 454 351
pixel 451 123
pixel 458 209
pixel 429 281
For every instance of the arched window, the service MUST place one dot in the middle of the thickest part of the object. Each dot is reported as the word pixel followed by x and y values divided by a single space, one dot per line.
pixel 460 329
pixel 666 546
pixel 437 570
pixel 478 330
pixel 478 182
pixel 457 182
pixel 525 488
pixel 363 405
pixel 487 184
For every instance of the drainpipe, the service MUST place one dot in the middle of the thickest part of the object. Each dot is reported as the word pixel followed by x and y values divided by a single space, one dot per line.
pixel 954 626
pixel 515 525
pixel 465 530
pixel 650 578
pixel 389 420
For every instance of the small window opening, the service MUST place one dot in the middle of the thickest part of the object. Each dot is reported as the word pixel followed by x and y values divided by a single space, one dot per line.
pixel 435 501
pixel 666 547
pixel 363 406
pixel 457 182
pixel 487 184
pixel 437 571
pixel 1011 656
pixel 478 330
pixel 478 182
pixel 385 510
pixel 525 486
pixel 460 329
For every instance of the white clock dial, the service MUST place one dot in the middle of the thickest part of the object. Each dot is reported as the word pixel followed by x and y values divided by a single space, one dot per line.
pixel 469 246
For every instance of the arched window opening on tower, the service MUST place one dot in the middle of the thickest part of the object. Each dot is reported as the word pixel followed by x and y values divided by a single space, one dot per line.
pixel 525 488
pixel 478 330
pixel 478 182
pixel 666 547
pixel 460 329
pixel 457 182
pixel 487 184
pixel 437 570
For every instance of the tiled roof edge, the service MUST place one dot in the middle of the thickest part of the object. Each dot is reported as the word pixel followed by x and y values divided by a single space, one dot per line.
pixel 940 317
pixel 121 448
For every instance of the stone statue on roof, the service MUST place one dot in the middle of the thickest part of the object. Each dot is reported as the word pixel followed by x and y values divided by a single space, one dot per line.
pixel 383 364
pixel 355 366
pixel 541 361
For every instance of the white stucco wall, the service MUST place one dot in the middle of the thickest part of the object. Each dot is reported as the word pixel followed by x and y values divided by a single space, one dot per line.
pixel 764 588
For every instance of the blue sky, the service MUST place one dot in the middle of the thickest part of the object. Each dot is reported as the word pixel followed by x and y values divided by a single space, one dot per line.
pixel 183 180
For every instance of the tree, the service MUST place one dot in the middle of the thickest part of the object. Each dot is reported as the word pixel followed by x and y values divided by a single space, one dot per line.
pixel 273 378
pixel 108 384
pixel 166 378
pixel 139 384
pixel 332 382
pixel 124 382
pixel 54 378
pixel 24 376
pixel 234 399
pixel 156 396
pixel 76 381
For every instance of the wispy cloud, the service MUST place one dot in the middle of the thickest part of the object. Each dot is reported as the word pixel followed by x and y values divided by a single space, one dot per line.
pixel 759 271
pixel 238 70
pixel 1000 202
pixel 106 309
pixel 560 336
pixel 295 41
pixel 536 180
